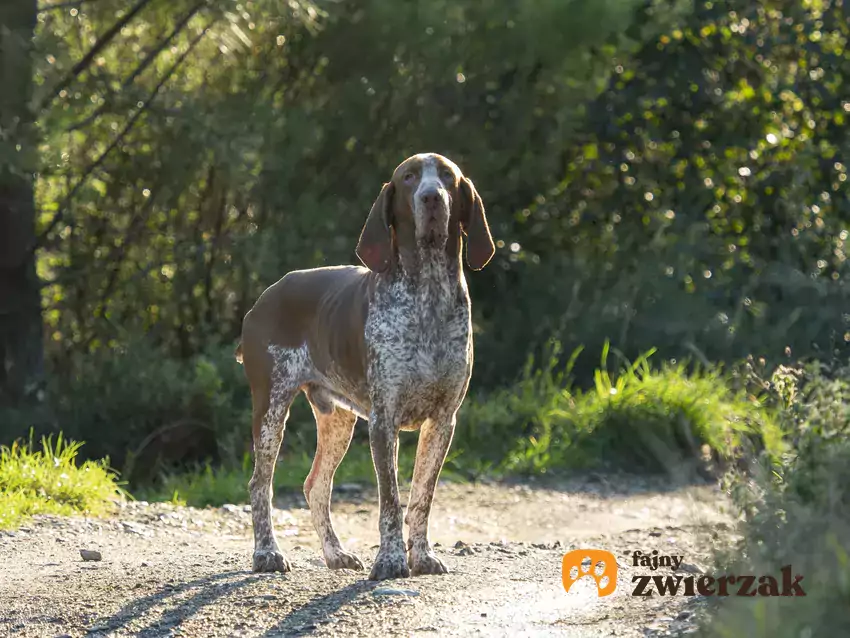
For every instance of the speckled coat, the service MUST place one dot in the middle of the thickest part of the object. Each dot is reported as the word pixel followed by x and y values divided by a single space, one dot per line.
pixel 391 343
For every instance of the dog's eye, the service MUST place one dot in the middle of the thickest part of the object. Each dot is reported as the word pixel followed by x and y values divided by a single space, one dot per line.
pixel 447 176
pixel 409 177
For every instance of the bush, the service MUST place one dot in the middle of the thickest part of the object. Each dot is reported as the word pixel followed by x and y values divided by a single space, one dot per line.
pixel 49 481
pixel 148 411
pixel 797 511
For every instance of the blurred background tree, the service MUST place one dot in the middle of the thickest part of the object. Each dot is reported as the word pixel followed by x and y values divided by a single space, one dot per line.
pixel 657 173
pixel 21 350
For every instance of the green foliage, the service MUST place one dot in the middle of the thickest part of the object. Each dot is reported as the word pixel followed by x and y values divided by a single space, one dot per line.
pixel 701 212
pixel 702 208
pixel 150 410
pixel 797 512
pixel 264 149
pixel 49 481
pixel 657 173
pixel 655 420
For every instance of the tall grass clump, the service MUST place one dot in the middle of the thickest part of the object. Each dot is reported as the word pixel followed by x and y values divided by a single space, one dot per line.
pixel 49 481
pixel 663 419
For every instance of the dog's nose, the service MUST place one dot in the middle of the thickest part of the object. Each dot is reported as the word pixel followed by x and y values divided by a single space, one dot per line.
pixel 430 198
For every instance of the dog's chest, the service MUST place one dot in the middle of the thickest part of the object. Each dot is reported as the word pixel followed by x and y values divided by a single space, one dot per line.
pixel 420 342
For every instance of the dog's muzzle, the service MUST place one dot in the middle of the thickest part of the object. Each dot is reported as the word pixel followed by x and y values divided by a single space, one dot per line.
pixel 432 214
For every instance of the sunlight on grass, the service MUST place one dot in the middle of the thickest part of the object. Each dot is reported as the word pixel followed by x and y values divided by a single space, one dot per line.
pixel 49 481
pixel 642 417
pixel 208 485
pixel 669 418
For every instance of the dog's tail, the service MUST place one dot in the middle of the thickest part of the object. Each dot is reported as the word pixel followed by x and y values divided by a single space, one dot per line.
pixel 238 353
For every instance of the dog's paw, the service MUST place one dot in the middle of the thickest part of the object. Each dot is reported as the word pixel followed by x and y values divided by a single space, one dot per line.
pixel 343 560
pixel 389 565
pixel 426 562
pixel 267 560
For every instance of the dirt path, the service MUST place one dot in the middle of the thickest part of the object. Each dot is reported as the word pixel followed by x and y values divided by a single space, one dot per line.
pixel 171 571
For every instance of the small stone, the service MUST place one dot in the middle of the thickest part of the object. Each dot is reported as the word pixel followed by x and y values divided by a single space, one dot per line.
pixel 392 591
pixel 683 615
pixel 264 597
pixel 230 508
pixel 349 488
pixel 460 544
pixel 90 554
pixel 134 528
pixel 692 568
pixel 464 551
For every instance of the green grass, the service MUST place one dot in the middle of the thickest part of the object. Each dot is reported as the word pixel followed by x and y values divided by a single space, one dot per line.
pixel 654 419
pixel 209 485
pixel 49 481
pixel 645 418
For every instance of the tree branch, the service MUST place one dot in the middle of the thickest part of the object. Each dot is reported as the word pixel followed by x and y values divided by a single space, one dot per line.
pixel 63 206
pixel 144 64
pixel 62 5
pixel 87 59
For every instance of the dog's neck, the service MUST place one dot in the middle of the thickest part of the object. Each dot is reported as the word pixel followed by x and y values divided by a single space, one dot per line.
pixel 424 264
pixel 433 273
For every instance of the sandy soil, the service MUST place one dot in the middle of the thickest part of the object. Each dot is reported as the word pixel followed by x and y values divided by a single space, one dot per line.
pixel 175 571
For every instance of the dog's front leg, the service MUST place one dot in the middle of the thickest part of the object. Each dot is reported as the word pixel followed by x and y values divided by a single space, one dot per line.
pixel 391 561
pixel 434 439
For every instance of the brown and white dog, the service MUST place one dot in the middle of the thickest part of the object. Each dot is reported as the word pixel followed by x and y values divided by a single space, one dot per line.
pixel 391 343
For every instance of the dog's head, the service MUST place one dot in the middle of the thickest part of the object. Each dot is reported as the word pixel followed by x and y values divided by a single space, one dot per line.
pixel 427 201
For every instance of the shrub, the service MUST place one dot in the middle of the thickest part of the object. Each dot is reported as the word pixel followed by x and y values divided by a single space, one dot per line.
pixel 146 410
pixel 797 511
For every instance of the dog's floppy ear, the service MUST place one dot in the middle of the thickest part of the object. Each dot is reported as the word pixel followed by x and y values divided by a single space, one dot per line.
pixel 479 242
pixel 375 248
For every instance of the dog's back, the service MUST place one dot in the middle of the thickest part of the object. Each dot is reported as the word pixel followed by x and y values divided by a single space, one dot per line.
pixel 324 308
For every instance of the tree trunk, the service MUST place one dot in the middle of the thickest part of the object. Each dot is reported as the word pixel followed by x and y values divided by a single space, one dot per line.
pixel 21 345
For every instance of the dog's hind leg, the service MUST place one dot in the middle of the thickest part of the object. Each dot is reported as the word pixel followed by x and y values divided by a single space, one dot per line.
pixel 274 383
pixel 334 432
